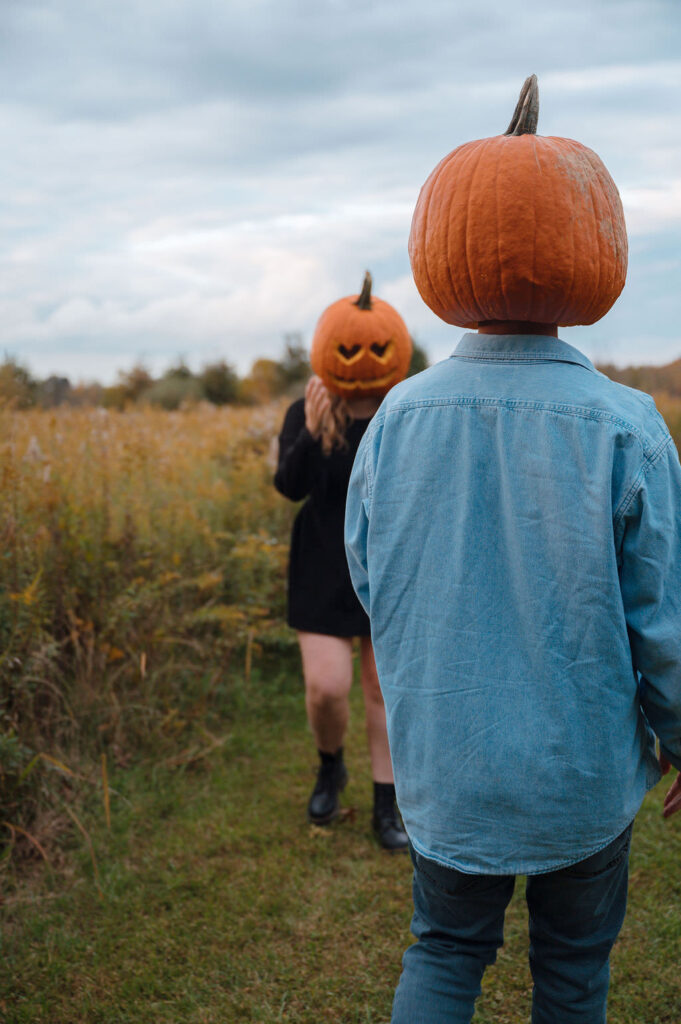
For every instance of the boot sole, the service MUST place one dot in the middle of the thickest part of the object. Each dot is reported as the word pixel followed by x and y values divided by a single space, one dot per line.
pixel 327 819
pixel 324 821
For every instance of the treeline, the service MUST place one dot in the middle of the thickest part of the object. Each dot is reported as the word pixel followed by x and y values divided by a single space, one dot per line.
pixel 217 382
pixel 653 379
pixel 662 382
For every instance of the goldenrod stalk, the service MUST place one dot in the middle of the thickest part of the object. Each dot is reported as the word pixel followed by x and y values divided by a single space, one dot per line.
pixel 91 848
pixel 105 788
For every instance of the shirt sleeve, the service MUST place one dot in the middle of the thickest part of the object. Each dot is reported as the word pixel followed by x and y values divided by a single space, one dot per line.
pixel 298 451
pixel 357 510
pixel 650 579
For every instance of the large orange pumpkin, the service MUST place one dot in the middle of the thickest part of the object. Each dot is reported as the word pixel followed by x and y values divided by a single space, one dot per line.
pixel 519 227
pixel 361 346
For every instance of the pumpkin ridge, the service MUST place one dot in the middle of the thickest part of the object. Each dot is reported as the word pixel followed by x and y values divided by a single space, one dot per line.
pixel 597 168
pixel 565 314
pixel 577 249
pixel 479 151
pixel 471 289
pixel 382 314
pixel 610 280
pixel 423 226
pixel 497 231
pixel 592 302
pixel 471 234
pixel 420 246
pixel 594 297
pixel 444 164
pixel 530 310
pixel 568 304
pixel 527 156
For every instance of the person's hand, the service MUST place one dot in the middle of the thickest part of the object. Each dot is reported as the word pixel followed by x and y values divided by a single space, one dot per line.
pixel 317 402
pixel 672 801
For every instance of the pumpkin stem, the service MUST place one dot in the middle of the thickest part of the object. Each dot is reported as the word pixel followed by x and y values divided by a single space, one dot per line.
pixel 526 113
pixel 364 300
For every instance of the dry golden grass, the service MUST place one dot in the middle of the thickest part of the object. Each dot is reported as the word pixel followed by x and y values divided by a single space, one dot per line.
pixel 142 567
pixel 141 552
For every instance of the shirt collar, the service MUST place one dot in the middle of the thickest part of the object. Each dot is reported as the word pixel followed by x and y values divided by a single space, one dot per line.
pixel 520 348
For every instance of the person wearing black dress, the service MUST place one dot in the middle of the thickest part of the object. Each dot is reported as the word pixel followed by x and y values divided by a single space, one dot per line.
pixel 317 446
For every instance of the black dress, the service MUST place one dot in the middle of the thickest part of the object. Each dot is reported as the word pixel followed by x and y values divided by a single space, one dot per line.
pixel 320 595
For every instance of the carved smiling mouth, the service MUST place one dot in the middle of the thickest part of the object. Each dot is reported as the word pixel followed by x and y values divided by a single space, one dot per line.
pixel 363 385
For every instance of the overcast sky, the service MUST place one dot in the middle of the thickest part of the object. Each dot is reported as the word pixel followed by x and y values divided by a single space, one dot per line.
pixel 197 178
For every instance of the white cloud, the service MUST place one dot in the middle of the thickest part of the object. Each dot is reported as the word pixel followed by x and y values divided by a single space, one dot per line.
pixel 652 209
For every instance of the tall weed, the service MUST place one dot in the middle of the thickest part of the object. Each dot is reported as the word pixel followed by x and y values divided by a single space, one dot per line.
pixel 142 560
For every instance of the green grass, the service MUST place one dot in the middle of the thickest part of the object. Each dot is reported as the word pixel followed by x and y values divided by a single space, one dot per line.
pixel 218 903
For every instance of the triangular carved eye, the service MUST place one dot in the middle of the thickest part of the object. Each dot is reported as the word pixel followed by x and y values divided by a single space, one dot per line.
pixel 379 349
pixel 348 353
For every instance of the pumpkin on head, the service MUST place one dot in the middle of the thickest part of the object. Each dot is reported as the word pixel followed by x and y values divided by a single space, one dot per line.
pixel 519 227
pixel 361 346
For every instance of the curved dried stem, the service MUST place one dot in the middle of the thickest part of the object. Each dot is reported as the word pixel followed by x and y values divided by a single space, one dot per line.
pixel 526 113
pixel 364 300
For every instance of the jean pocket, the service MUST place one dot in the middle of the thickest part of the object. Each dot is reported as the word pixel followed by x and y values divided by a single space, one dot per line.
pixel 598 863
pixel 448 881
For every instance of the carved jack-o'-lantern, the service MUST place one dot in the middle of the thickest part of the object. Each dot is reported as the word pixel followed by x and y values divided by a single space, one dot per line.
pixel 361 346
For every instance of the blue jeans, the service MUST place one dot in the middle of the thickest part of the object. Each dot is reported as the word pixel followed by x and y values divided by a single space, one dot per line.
pixel 575 916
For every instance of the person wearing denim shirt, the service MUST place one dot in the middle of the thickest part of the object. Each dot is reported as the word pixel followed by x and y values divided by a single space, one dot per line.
pixel 513 530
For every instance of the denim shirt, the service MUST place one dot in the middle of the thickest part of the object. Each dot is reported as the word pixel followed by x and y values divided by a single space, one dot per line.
pixel 513 529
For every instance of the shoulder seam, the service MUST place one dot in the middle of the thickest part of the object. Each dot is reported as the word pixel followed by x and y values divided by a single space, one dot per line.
pixel 648 463
pixel 564 409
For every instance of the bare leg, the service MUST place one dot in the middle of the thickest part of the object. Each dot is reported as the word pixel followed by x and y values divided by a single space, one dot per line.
pixel 379 751
pixel 327 669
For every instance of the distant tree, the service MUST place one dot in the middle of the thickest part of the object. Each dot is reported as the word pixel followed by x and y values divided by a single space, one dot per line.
pixel 53 391
pixel 17 386
pixel 265 381
pixel 180 371
pixel 90 393
pixel 295 365
pixel 220 383
pixel 419 359
pixel 115 397
pixel 177 386
pixel 647 378
pixel 135 382
pixel 172 392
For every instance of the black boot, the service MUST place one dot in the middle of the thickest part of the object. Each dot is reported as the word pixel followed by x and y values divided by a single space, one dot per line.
pixel 386 821
pixel 332 777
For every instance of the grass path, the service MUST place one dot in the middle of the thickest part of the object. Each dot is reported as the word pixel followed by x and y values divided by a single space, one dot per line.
pixel 219 904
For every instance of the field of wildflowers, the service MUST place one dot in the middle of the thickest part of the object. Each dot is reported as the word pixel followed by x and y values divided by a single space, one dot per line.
pixel 142 575
pixel 142 563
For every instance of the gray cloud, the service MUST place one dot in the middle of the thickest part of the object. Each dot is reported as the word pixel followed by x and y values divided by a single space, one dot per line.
pixel 199 178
